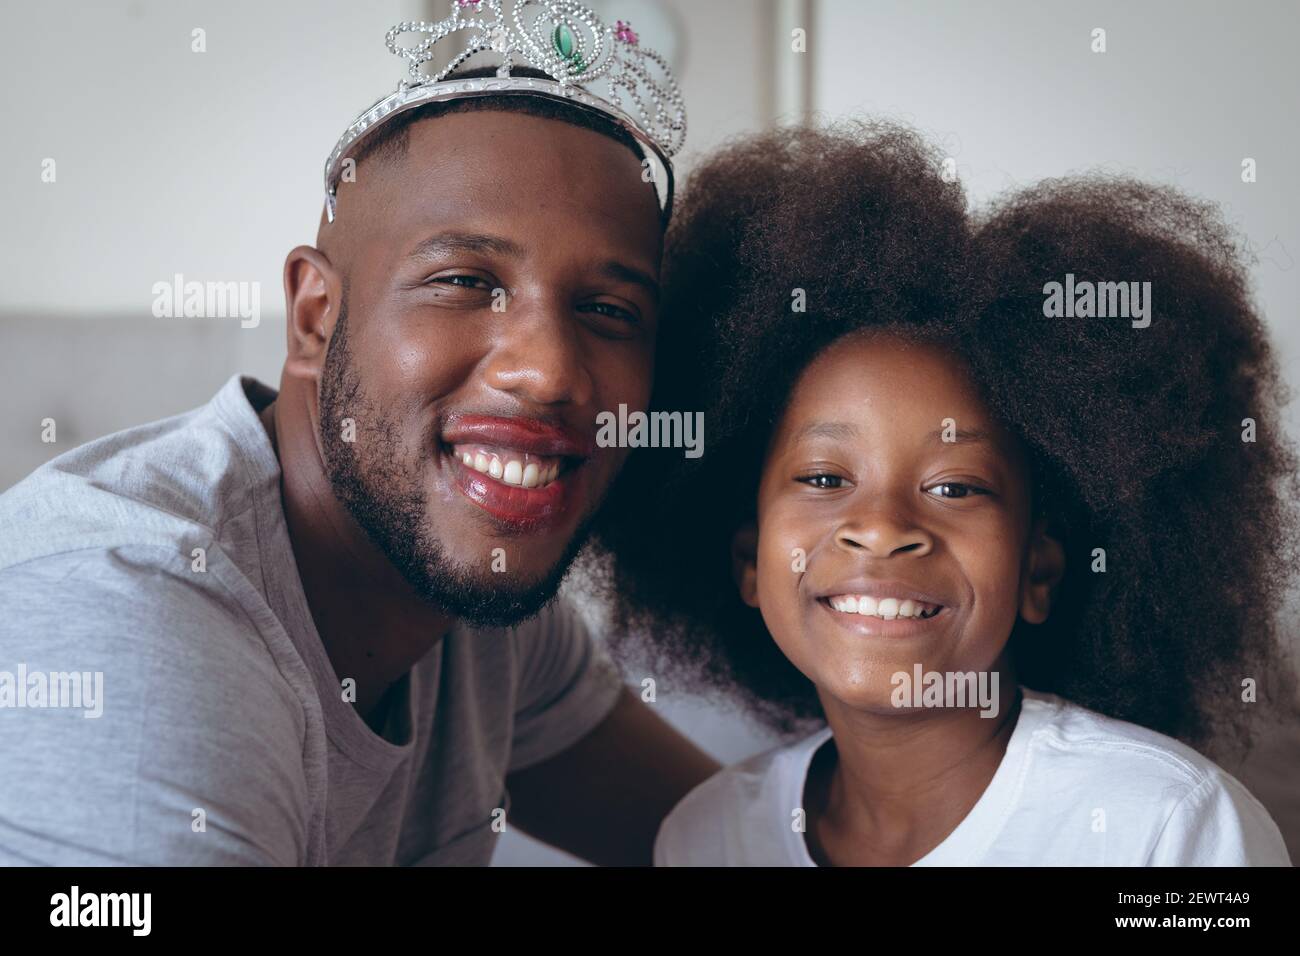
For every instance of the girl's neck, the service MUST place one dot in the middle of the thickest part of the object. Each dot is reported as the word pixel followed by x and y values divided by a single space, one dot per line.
pixel 888 789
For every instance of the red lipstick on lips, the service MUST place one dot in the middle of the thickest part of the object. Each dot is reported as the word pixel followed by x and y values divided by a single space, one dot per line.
pixel 519 507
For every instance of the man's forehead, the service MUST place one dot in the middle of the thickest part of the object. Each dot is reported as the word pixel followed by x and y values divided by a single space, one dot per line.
pixel 515 148
pixel 484 165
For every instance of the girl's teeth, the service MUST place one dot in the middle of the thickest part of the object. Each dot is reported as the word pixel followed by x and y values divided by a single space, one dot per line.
pixel 887 608
pixel 514 474
pixel 531 475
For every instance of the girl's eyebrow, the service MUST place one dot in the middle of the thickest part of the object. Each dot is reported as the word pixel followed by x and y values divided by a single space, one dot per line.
pixel 847 431
pixel 962 435
pixel 836 431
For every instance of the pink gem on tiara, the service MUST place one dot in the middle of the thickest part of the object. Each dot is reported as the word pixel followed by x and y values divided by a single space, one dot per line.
pixel 468 3
pixel 624 32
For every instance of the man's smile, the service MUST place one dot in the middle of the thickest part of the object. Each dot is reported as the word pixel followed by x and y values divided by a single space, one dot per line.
pixel 525 473
pixel 509 466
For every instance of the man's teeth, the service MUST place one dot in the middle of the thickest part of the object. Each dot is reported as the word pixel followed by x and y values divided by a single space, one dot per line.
pixel 886 608
pixel 524 470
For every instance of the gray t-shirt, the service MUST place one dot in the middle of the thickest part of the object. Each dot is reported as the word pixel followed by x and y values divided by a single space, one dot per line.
pixel 198 718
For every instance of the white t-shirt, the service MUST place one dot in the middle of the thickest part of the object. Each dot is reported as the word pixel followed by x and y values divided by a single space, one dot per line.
pixel 1075 788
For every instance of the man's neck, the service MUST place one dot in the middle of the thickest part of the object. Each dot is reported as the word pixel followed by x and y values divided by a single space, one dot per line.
pixel 373 625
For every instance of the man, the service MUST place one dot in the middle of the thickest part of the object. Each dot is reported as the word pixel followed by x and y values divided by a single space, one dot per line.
pixel 315 613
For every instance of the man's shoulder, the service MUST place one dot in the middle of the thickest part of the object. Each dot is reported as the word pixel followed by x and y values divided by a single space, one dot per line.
pixel 193 711
pixel 116 548
pixel 167 483
pixel 145 601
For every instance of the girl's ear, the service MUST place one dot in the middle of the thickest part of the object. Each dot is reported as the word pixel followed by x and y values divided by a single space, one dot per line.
pixel 1044 568
pixel 744 562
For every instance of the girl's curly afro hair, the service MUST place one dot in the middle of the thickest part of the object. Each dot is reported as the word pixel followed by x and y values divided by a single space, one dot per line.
pixel 1138 441
pixel 859 222
pixel 1134 435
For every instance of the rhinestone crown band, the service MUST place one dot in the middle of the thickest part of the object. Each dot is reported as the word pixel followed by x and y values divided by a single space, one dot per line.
pixel 561 38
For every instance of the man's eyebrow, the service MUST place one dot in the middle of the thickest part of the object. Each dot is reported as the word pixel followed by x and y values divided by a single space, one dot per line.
pixel 449 242
pixel 621 272
pixel 445 242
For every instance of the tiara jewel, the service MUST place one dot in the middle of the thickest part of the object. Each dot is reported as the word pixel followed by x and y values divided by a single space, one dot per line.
pixel 586 64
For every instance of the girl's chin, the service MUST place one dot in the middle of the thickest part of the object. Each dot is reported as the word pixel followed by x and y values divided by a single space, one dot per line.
pixel 912 690
pixel 881 685
pixel 877 704
pixel 875 697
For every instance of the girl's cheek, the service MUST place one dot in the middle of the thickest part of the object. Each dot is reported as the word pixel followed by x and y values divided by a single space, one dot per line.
pixel 779 566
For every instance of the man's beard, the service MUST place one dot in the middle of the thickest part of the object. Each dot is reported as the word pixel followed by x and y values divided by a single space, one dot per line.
pixel 387 500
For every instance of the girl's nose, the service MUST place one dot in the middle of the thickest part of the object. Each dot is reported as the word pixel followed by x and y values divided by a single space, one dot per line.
pixel 882 533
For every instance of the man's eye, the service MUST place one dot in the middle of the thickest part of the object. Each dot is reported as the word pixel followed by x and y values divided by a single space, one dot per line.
pixel 822 480
pixel 956 489
pixel 608 309
pixel 461 281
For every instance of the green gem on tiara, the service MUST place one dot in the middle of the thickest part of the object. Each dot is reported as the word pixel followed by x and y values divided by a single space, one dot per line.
pixel 562 38
pixel 566 45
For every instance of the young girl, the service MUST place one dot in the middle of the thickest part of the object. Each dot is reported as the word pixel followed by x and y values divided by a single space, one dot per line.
pixel 1012 561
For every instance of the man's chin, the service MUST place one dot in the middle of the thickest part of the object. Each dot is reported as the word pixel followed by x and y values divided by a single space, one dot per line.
pixel 498 589
pixel 497 610
pixel 495 600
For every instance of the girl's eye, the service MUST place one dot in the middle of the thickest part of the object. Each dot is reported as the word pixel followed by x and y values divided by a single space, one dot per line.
pixel 822 480
pixel 955 489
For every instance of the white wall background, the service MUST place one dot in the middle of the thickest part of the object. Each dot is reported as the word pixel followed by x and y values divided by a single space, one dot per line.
pixel 209 165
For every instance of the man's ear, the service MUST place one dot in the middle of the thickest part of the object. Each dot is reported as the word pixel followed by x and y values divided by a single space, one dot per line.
pixel 744 562
pixel 312 295
pixel 1044 568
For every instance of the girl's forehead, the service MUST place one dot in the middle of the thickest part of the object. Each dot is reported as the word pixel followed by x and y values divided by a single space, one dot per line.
pixel 889 391
pixel 887 376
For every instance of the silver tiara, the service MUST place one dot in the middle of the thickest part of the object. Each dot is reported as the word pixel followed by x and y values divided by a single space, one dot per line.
pixel 561 38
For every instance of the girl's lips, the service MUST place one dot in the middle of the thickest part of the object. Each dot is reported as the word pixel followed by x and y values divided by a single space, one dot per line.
pixel 524 509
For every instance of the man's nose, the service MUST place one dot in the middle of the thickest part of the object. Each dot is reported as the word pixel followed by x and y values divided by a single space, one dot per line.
pixel 882 526
pixel 539 354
